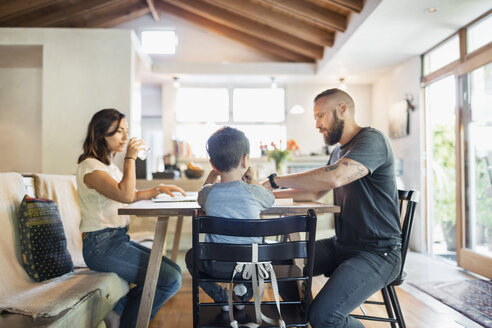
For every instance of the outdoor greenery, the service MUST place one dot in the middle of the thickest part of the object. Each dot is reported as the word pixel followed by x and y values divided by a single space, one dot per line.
pixel 484 194
pixel 444 178
pixel 444 175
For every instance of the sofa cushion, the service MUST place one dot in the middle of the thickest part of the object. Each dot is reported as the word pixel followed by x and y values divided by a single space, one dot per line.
pixel 62 188
pixel 42 240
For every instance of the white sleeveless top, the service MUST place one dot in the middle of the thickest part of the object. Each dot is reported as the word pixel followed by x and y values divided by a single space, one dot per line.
pixel 98 211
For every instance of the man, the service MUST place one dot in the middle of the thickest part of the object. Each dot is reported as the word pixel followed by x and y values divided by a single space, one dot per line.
pixel 364 255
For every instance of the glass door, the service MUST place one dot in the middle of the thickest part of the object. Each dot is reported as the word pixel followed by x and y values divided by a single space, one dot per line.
pixel 441 172
pixel 475 253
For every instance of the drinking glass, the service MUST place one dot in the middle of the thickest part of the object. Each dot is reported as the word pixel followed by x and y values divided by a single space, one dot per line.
pixel 144 152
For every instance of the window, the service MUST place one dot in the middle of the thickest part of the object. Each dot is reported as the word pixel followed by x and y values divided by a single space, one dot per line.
pixel 479 34
pixel 202 105
pixel 159 42
pixel 258 112
pixel 458 157
pixel 444 54
pixel 266 105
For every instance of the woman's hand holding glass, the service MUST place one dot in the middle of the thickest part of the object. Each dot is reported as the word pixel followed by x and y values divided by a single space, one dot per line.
pixel 137 148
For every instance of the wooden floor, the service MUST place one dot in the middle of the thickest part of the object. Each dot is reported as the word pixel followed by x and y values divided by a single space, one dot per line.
pixel 177 313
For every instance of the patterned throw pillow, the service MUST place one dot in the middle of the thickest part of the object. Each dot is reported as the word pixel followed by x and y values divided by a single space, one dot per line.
pixel 42 240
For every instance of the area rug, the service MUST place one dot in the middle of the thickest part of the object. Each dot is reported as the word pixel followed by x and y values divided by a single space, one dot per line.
pixel 472 298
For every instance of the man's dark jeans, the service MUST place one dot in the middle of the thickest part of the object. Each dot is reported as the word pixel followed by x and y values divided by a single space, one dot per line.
pixel 111 250
pixel 355 274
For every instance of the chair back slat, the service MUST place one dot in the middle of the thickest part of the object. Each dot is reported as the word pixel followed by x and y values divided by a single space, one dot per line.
pixel 255 227
pixel 408 200
pixel 242 252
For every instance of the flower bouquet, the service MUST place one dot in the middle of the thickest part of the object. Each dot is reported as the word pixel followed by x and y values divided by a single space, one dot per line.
pixel 278 155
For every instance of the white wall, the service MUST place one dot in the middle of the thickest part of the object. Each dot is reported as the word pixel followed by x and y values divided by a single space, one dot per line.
pixel 20 119
pixel 387 90
pixel 83 70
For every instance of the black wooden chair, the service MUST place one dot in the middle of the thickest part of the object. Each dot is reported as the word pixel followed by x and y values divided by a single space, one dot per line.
pixel 407 200
pixel 294 312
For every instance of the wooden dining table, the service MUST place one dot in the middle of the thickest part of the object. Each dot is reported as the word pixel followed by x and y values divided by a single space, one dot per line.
pixel 163 211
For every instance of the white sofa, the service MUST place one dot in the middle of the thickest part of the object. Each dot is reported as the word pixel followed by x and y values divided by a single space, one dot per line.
pixel 78 299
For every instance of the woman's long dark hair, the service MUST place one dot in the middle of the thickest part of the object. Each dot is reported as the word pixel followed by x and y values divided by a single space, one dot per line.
pixel 95 146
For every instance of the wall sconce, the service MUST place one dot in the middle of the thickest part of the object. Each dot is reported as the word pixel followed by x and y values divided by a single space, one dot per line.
pixel 176 83
pixel 274 83
pixel 342 86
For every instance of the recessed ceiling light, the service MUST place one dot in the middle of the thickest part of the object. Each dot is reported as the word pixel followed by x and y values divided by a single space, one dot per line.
pixel 431 10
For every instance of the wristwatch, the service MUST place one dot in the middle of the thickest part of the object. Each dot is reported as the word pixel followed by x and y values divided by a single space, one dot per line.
pixel 272 181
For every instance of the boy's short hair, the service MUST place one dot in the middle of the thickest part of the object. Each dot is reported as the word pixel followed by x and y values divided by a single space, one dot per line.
pixel 226 147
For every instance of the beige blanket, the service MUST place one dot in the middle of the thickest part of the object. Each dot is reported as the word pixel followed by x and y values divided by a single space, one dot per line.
pixel 18 293
pixel 63 190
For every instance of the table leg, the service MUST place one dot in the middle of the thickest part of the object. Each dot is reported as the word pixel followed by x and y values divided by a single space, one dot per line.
pixel 152 275
pixel 177 238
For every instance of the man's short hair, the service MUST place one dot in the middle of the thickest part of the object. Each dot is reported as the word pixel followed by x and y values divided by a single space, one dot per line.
pixel 338 94
pixel 226 147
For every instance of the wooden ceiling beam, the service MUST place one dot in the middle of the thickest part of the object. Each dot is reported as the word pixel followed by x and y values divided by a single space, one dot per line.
pixel 153 11
pixel 352 5
pixel 274 51
pixel 120 16
pixel 13 8
pixel 64 16
pixel 277 20
pixel 309 13
pixel 248 26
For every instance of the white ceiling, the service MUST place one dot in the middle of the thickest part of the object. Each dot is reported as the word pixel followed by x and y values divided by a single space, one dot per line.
pixel 396 31
pixel 386 34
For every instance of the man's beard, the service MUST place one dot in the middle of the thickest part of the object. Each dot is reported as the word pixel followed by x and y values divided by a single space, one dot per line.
pixel 335 133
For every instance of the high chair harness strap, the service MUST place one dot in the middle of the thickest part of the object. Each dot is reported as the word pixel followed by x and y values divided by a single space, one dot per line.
pixel 257 272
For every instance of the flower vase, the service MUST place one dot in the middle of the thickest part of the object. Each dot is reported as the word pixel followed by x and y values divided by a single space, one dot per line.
pixel 280 167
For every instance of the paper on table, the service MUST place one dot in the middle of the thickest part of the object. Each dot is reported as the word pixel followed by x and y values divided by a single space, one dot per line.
pixel 283 201
pixel 191 196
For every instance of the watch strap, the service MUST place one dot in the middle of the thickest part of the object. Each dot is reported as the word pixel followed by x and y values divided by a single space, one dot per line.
pixel 272 181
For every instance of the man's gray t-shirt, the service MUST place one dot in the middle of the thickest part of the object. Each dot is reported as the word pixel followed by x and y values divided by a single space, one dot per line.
pixel 234 200
pixel 369 213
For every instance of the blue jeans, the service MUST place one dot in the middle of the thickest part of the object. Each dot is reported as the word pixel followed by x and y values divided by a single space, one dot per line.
pixel 355 274
pixel 217 270
pixel 111 250
pixel 287 290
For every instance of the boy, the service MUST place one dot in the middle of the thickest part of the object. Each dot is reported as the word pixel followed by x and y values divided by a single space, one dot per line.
pixel 236 196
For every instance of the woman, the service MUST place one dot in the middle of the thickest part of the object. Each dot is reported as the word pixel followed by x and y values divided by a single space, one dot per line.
pixel 102 188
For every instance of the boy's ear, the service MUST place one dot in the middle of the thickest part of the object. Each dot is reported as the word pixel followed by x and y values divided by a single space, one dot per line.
pixel 245 161
pixel 213 167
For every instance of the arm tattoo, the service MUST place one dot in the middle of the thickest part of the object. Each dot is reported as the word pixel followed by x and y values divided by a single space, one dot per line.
pixel 329 168
pixel 359 173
